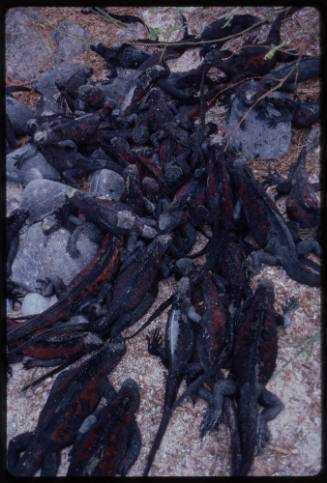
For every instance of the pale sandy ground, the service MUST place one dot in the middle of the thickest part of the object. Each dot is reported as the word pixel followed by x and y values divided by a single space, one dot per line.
pixel 295 446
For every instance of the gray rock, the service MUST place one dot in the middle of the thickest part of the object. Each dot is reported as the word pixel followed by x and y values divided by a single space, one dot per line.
pixel 18 114
pixel 31 175
pixel 261 137
pixel 71 40
pixel 60 73
pixel 27 48
pixel 134 31
pixel 166 21
pixel 42 197
pixel 118 88
pixel 41 256
pixel 190 59
pixel 107 182
pixel 33 165
pixel 14 194
pixel 46 86
pixel 35 303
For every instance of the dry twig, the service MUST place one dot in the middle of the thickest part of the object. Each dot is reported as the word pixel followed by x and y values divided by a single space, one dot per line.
pixel 260 98
pixel 196 43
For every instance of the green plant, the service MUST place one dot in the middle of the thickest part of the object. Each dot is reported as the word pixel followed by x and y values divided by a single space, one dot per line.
pixel 228 19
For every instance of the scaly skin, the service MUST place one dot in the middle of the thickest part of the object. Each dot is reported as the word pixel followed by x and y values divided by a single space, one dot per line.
pixel 243 369
pixel 216 334
pixel 252 60
pixel 123 152
pixel 297 71
pixel 138 279
pixel 125 56
pixel 135 198
pixel 306 113
pixel 213 343
pixel 13 224
pixel 189 197
pixel 159 112
pixel 220 28
pixel 302 205
pixel 231 265
pixel 110 215
pixel 252 364
pixel 11 142
pixel 146 163
pixel 103 450
pixel 100 270
pixel 66 158
pixel 176 355
pixel 219 189
pixel 74 395
pixel 80 130
pixel 268 226
pixel 268 347
pixel 57 345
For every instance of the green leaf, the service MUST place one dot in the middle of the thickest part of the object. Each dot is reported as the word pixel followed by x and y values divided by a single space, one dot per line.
pixel 154 33
pixel 269 55
pixel 228 19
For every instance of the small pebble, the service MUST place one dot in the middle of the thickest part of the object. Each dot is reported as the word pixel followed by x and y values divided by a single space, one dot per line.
pixel 107 182
pixel 34 303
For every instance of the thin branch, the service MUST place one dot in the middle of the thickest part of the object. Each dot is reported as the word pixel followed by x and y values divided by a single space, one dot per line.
pixel 266 94
pixel 196 43
pixel 230 86
pixel 260 98
pixel 100 11
pixel 273 50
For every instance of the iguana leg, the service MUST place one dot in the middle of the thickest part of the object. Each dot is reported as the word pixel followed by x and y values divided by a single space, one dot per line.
pixel 132 240
pixel 285 320
pixel 283 186
pixel 259 257
pixel 133 449
pixel 194 376
pixel 129 319
pixel 272 407
pixel 69 176
pixel 155 346
pixel 51 286
pixel 108 391
pixel 50 464
pixel 214 415
pixel 91 231
pixel 166 266
pixel 16 446
pixel 304 247
pixel 236 457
